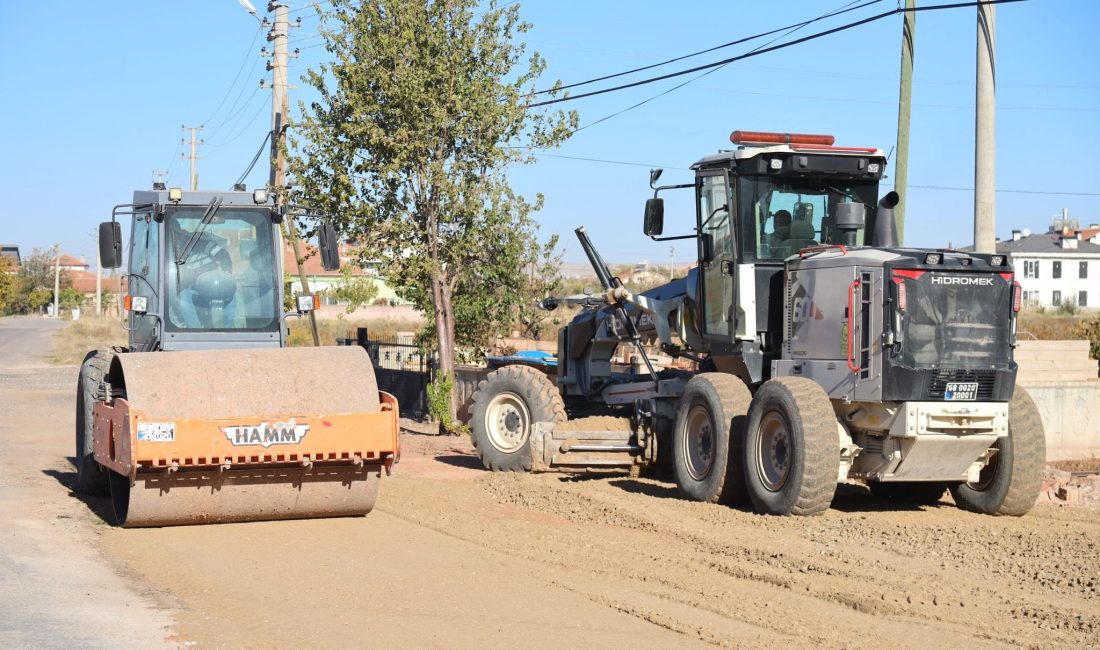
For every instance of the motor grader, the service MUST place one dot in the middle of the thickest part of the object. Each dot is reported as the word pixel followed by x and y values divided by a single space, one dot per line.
pixel 206 416
pixel 824 352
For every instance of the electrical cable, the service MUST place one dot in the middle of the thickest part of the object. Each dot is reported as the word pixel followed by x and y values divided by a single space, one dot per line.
pixel 255 158
pixel 789 31
pixel 765 50
pixel 739 41
pixel 233 85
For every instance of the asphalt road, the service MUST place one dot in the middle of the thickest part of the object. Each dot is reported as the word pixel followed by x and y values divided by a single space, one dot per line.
pixel 57 588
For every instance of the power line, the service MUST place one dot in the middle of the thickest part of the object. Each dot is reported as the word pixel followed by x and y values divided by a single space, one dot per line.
pixel 259 152
pixel 745 39
pixel 1039 192
pixel 765 50
pixel 707 72
pixel 923 187
pixel 233 85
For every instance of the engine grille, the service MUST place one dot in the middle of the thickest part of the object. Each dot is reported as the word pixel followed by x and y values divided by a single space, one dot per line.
pixel 937 383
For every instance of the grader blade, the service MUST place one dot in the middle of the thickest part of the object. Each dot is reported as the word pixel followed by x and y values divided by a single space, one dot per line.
pixel 244 435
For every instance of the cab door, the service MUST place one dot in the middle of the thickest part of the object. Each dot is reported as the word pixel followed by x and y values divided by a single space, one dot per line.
pixel 144 279
pixel 715 213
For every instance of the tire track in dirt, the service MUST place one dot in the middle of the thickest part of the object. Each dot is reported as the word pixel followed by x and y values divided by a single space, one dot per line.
pixel 1007 580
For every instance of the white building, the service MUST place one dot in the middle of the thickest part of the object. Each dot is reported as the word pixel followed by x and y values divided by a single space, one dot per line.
pixel 1062 264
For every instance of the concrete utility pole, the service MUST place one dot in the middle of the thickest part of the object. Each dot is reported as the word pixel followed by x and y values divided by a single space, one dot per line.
pixel 985 178
pixel 905 103
pixel 280 108
pixel 56 278
pixel 194 143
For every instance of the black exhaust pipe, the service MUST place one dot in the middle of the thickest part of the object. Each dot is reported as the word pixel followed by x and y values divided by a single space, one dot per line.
pixel 886 229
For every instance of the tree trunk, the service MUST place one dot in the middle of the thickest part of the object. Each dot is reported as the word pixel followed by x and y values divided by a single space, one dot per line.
pixel 444 326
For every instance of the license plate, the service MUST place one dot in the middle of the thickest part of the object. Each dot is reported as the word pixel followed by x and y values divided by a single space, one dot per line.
pixel 156 431
pixel 961 390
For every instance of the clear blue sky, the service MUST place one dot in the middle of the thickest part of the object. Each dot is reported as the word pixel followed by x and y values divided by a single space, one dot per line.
pixel 95 94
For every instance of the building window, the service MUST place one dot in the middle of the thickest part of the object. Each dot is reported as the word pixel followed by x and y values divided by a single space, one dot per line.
pixel 1084 270
pixel 1082 298
pixel 1056 299
pixel 1031 268
pixel 1057 272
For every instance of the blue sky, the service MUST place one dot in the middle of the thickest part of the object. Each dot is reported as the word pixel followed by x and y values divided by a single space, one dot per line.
pixel 95 96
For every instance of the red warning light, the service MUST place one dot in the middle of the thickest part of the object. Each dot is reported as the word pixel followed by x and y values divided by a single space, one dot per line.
pixel 763 137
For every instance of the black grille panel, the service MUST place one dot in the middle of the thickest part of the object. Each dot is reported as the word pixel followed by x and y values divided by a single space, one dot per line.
pixel 939 379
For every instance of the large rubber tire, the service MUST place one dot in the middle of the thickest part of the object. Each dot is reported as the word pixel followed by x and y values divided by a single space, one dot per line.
pixel 924 493
pixel 1010 483
pixel 91 386
pixel 792 451
pixel 707 438
pixel 505 408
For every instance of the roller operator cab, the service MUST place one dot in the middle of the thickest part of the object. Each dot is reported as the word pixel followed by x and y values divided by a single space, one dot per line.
pixel 205 416
pixel 825 351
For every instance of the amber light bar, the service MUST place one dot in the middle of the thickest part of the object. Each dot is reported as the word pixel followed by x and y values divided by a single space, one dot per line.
pixel 763 137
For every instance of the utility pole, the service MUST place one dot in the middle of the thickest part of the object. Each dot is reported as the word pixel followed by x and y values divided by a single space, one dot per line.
pixel 193 157
pixel 985 240
pixel 56 278
pixel 280 108
pixel 94 234
pixel 905 104
pixel 671 262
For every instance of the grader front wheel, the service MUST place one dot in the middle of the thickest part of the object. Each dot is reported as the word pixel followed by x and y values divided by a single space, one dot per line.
pixel 505 407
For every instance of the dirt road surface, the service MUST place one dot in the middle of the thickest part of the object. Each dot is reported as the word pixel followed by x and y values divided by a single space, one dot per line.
pixel 457 557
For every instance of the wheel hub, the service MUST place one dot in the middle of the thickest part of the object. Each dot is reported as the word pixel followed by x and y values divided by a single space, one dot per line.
pixel 508 422
pixel 774 453
pixel 699 442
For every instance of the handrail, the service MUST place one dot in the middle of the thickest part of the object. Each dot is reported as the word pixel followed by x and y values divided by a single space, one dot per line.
pixel 851 331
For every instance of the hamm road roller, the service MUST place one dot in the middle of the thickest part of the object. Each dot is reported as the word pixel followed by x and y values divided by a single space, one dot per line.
pixel 825 352
pixel 206 416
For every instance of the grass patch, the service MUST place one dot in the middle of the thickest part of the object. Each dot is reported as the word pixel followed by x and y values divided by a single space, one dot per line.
pixel 74 342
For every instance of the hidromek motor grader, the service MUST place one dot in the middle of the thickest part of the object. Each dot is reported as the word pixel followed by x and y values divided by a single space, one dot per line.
pixel 205 416
pixel 820 358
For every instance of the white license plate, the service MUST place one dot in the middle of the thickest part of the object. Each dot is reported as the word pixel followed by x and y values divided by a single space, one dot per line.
pixel 156 431
pixel 961 390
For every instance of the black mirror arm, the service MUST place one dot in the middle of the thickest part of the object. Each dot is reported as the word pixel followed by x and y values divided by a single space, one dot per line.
pixel 672 237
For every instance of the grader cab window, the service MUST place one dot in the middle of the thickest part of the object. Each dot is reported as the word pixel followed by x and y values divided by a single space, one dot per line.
pixel 781 216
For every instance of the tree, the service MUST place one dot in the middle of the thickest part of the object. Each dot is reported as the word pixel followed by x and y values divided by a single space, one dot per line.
pixel 423 108
pixel 356 291
pixel 34 286
pixel 543 280
pixel 8 284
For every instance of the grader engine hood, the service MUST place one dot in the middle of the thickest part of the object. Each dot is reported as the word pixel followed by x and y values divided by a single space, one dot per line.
pixel 884 324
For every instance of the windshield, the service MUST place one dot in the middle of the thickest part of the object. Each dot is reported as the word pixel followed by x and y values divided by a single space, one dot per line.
pixel 226 280
pixel 781 216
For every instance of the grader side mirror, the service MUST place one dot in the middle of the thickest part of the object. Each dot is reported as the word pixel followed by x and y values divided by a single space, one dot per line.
pixel 654 223
pixel 110 245
pixel 328 243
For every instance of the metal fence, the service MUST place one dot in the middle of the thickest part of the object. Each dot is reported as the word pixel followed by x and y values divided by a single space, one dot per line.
pixel 401 367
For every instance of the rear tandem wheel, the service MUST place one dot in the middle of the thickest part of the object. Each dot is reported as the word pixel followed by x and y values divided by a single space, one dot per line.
pixel 791 448
pixel 708 437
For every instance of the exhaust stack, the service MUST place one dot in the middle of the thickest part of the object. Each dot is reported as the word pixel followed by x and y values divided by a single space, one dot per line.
pixel 885 234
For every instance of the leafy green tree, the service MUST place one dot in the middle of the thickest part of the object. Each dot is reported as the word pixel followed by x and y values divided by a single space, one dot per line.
pixel 8 284
pixel 34 283
pixel 543 266
pixel 70 298
pixel 356 291
pixel 423 107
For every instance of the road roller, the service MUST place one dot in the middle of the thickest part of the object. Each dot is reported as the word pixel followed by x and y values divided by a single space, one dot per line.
pixel 206 416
